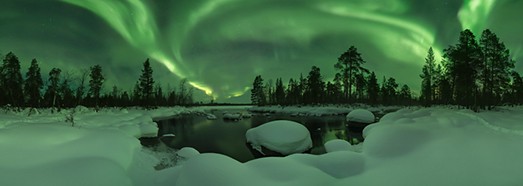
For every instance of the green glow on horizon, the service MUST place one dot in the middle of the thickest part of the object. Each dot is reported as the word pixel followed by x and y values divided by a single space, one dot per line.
pixel 474 13
pixel 134 21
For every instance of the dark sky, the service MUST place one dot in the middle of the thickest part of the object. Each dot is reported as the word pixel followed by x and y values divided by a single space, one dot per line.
pixel 221 45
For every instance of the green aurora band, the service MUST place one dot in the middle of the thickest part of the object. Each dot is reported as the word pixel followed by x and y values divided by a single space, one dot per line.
pixel 383 22
pixel 473 14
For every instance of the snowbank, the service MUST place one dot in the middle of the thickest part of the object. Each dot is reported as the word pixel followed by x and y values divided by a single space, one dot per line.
pixel 57 155
pixel 320 110
pixel 408 147
pixel 283 136
pixel 337 145
pixel 432 146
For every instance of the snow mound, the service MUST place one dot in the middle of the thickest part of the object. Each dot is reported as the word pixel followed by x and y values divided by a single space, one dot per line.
pixel 61 155
pixel 283 136
pixel 187 152
pixel 337 145
pixel 232 116
pixel 361 116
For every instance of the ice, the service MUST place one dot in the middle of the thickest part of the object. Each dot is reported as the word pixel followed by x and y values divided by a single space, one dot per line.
pixel 283 136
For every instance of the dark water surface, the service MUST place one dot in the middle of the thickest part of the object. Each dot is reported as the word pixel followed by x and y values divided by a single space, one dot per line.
pixel 228 137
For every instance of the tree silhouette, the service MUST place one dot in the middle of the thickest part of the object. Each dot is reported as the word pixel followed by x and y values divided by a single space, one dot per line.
pixel 427 75
pixel 495 74
pixel 349 65
pixel 405 95
pixel 257 92
pixel 373 89
pixel 463 63
pixel 279 92
pixel 516 88
pixel 146 84
pixel 12 80
pixel 315 87
pixel 33 85
pixel 95 84
pixel 67 98
pixel 51 94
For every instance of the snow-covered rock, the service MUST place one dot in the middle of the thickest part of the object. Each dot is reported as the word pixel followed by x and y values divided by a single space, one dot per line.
pixel 337 145
pixel 283 136
pixel 232 116
pixel 187 152
pixel 211 116
pixel 361 116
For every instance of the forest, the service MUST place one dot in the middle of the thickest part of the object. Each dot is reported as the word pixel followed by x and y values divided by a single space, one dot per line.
pixel 65 90
pixel 475 74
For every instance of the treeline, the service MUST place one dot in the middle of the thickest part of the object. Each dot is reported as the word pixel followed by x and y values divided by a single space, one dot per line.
pixel 64 90
pixel 474 74
pixel 352 83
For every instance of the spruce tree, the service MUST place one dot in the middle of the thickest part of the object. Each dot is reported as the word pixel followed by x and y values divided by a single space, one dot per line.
pixel 95 84
pixel 315 86
pixel 33 85
pixel 405 95
pixel 51 95
pixel 146 84
pixel 279 92
pixel 373 89
pixel 67 98
pixel 497 65
pixel 427 75
pixel 12 80
pixel 257 92
pixel 463 62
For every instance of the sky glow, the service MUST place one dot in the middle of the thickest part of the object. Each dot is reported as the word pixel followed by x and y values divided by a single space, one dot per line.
pixel 221 45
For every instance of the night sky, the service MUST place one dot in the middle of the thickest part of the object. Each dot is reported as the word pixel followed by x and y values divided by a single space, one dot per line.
pixel 221 45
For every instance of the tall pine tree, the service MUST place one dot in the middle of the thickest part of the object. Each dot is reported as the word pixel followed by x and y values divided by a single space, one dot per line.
pixel 95 84
pixel 51 95
pixel 463 63
pixel 33 85
pixel 12 80
pixel 257 92
pixel 427 76
pixel 497 65
pixel 349 65
pixel 373 89
pixel 146 85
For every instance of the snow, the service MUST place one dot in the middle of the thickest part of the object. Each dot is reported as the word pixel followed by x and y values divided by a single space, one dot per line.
pixel 361 116
pixel 283 136
pixel 337 145
pixel 413 146
pixel 318 111
pixel 232 116
pixel 187 152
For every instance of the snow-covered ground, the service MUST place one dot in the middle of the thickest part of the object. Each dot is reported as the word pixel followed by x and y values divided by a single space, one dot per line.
pixel 415 146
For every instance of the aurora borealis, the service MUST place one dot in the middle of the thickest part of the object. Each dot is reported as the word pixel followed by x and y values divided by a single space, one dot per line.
pixel 221 45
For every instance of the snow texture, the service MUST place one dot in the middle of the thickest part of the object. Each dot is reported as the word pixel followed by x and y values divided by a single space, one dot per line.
pixel 337 145
pixel 283 136
pixel 415 146
pixel 361 116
